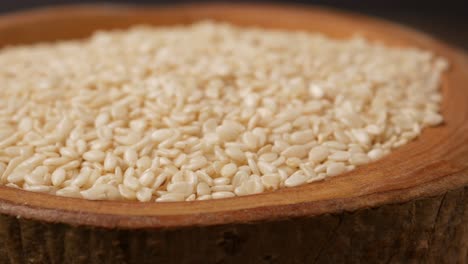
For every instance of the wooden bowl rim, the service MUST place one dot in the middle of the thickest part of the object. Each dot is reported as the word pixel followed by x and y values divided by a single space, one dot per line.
pixel 390 180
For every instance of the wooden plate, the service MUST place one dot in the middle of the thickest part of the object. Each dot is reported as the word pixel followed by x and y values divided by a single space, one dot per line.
pixel 429 169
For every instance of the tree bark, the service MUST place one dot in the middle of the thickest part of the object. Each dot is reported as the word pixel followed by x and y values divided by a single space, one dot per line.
pixel 430 230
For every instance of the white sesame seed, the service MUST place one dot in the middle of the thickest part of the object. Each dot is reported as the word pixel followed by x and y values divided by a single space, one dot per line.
pixel 373 129
pixel 361 136
pixel 197 162
pixel 221 195
pixel 180 187
pixel 110 162
pixel 302 137
pixel 126 192
pixel 204 197
pixel 202 175
pixel 268 157
pixel 293 162
pixel 94 156
pixel 335 168
pixel 130 157
pixel 37 176
pixel 335 145
pixel 29 163
pixel 316 91
pixel 375 154
pixel 220 126
pixel 130 181
pixel 81 146
pixel 253 166
pixel 339 156
pixel 359 159
pixel 71 165
pixel 102 119
pixel 171 197
pixel 191 197
pixel 433 119
pixel 298 151
pixel 58 176
pixel 271 181
pixel 235 154
pixel 227 132
pixel 70 191
pixel 308 170
pixel 37 188
pixel 296 179
pixel 144 163
pixel 318 154
pixel 16 176
pixel 144 194
pixel 222 188
pixel 161 134
pixel 147 178
pixel 82 177
pixel 229 170
pixel 160 179
pixel 250 140
pixel 239 178
pixel 266 168
pixel 203 189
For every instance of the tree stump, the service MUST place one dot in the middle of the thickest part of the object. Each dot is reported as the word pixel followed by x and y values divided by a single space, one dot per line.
pixel 409 207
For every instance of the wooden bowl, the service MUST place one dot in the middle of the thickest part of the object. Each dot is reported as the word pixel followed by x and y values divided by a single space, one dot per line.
pixel 409 206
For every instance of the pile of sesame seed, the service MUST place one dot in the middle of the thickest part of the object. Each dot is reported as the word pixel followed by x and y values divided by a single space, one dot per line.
pixel 205 111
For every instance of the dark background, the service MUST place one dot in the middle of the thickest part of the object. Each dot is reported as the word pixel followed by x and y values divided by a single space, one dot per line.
pixel 447 20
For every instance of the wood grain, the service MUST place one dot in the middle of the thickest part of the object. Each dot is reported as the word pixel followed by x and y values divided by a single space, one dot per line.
pixel 411 205
pixel 431 230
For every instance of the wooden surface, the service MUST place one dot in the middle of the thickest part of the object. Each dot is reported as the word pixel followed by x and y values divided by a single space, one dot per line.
pixel 447 21
pixel 429 231
pixel 408 206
